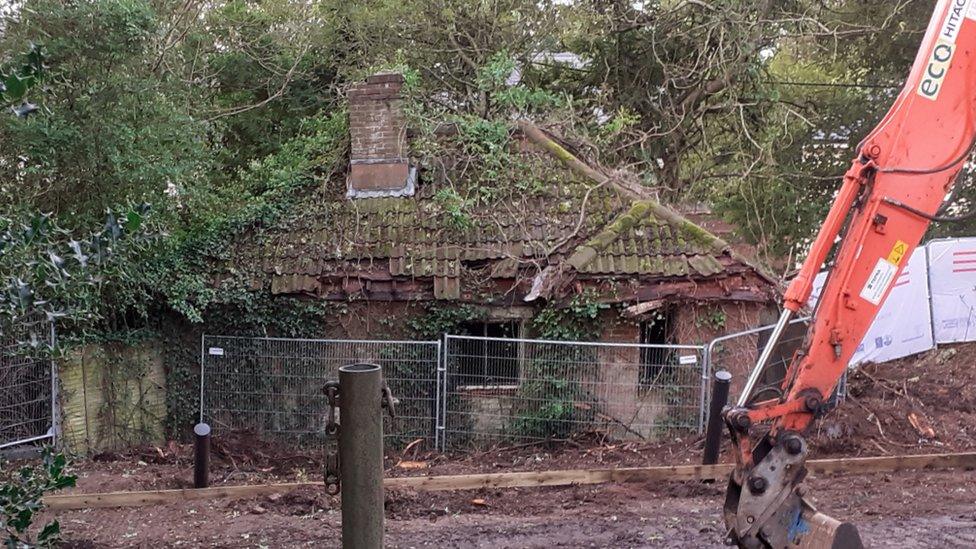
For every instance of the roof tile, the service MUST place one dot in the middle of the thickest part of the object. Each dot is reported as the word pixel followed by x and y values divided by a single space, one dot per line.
pixel 415 237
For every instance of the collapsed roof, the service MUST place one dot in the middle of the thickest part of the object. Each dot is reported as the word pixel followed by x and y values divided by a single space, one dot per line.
pixel 396 241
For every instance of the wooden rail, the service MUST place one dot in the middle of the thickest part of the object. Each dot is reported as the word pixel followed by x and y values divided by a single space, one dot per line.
pixel 526 479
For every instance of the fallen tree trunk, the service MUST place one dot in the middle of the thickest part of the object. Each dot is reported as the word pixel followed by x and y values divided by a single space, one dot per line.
pixel 528 479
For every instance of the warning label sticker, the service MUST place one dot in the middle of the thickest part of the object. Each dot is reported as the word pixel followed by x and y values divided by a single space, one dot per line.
pixel 878 282
pixel 897 252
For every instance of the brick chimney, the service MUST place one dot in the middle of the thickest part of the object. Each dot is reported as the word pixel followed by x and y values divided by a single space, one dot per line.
pixel 378 158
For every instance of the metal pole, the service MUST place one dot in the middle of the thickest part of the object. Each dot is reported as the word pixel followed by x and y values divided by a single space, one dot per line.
pixel 437 397
pixel 784 319
pixel 55 398
pixel 705 368
pixel 445 357
pixel 713 435
pixel 203 361
pixel 201 455
pixel 361 455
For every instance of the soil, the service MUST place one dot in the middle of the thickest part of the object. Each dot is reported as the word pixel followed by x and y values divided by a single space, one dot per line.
pixel 920 404
pixel 924 404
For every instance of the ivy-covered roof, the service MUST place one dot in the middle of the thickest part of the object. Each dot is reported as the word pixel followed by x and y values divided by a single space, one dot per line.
pixel 333 246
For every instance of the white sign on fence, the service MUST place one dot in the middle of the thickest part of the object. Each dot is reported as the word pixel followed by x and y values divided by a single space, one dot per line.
pixel 903 326
pixel 952 275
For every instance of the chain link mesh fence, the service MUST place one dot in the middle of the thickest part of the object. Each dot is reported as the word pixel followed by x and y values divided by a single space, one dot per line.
pixel 509 390
pixel 27 382
pixel 272 387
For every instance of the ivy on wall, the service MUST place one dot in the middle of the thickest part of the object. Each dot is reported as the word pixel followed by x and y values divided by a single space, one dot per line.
pixel 443 319
pixel 575 321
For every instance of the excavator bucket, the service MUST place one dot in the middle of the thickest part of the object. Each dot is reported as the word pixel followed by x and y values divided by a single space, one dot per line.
pixel 824 532
pixel 771 512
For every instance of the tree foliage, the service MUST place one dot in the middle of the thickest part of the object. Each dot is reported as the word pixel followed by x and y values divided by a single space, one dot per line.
pixel 221 113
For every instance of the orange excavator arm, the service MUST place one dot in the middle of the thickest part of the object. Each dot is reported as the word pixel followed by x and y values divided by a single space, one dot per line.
pixel 903 171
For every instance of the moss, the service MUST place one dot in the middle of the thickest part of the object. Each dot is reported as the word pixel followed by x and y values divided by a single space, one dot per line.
pixel 559 152
pixel 700 236
pixel 603 239
pixel 582 257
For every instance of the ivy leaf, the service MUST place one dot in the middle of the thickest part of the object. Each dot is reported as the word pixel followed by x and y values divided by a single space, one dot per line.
pixel 22 520
pixel 132 221
pixel 35 60
pixel 50 533
pixel 15 88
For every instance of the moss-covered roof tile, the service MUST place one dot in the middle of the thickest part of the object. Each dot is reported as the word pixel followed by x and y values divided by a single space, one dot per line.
pixel 330 235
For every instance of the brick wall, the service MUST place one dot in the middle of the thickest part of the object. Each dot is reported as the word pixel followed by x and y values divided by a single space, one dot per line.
pixel 377 128
pixel 701 323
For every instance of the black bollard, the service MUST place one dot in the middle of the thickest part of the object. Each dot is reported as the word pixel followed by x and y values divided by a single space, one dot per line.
pixel 201 455
pixel 713 433
pixel 361 455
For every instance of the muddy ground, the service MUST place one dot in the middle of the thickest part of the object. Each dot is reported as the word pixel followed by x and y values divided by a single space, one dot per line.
pixel 924 404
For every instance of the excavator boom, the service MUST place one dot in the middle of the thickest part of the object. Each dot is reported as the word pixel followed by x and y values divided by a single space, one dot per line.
pixel 901 176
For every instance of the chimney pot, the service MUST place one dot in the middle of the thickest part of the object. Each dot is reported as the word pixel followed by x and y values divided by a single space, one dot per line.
pixel 385 77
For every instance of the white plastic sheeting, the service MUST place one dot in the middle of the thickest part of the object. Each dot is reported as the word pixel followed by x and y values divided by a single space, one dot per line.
pixel 952 277
pixel 904 324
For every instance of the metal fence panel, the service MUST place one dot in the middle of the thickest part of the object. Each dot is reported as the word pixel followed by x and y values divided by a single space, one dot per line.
pixel 738 352
pixel 28 382
pixel 503 389
pixel 273 386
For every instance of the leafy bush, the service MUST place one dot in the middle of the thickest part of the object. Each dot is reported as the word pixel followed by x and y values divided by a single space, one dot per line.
pixel 552 403
pixel 21 491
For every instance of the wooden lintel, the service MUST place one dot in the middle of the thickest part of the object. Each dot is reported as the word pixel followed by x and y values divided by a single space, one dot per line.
pixel 526 479
pixel 644 307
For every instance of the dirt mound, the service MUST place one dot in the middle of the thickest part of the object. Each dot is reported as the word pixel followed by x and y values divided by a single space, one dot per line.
pixel 245 450
pixel 919 404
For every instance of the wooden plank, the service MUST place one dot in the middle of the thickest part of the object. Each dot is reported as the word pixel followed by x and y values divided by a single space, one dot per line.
pixel 527 479
pixel 886 464
pixel 530 479
pixel 644 307
pixel 160 497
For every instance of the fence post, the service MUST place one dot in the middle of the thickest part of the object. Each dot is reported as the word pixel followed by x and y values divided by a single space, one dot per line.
pixel 442 395
pixel 361 455
pixel 55 397
pixel 703 402
pixel 713 435
pixel 437 395
pixel 203 361
pixel 201 455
